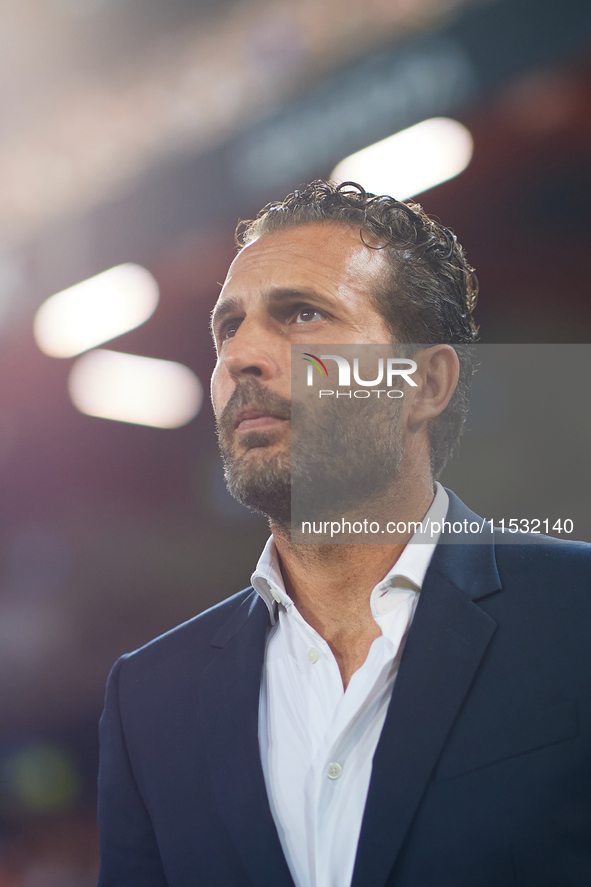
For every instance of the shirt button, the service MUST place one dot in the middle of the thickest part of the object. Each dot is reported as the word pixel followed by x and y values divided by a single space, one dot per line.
pixel 276 596
pixel 312 655
pixel 334 771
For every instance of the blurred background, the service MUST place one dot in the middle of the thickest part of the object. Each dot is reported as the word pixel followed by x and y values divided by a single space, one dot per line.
pixel 135 133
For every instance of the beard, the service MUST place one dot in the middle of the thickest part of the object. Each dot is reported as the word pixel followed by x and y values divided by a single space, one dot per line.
pixel 260 481
pixel 344 454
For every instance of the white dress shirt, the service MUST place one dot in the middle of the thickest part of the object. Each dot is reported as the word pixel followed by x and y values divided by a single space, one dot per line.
pixel 317 741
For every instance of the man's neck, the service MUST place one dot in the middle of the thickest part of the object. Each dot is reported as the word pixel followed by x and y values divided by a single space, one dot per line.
pixel 331 586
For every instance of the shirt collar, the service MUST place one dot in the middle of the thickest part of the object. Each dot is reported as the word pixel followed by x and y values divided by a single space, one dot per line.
pixel 267 580
pixel 408 571
pixel 416 556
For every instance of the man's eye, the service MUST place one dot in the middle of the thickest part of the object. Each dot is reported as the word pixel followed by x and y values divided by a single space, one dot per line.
pixel 305 315
pixel 229 330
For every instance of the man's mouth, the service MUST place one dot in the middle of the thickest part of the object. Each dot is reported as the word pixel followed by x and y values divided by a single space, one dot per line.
pixel 251 415
pixel 256 420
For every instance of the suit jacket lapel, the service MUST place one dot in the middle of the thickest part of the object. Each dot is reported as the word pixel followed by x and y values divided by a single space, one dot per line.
pixel 447 640
pixel 230 702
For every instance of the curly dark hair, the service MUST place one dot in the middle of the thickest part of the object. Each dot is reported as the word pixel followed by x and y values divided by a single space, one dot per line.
pixel 431 290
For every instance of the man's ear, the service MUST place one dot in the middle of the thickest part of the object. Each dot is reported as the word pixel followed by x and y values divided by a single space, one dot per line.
pixel 438 371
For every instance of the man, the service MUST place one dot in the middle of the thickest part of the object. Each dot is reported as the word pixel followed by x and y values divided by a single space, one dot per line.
pixel 410 715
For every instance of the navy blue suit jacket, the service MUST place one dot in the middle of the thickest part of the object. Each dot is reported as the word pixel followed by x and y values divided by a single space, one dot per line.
pixel 481 778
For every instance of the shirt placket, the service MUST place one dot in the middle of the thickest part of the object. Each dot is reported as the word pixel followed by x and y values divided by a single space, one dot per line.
pixel 332 764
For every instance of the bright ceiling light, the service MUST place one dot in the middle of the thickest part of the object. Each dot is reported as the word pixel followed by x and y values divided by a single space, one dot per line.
pixel 135 389
pixel 95 310
pixel 410 161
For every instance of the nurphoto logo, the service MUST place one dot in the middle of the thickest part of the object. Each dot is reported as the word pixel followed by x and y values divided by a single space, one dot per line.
pixel 314 362
pixel 387 370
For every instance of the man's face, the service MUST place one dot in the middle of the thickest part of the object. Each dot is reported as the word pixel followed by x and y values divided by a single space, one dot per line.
pixel 302 285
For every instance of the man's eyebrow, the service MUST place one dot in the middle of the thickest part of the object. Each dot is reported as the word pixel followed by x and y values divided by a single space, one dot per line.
pixel 272 296
pixel 289 294
pixel 223 309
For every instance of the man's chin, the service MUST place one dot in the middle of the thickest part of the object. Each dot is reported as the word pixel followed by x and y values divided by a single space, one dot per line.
pixel 260 479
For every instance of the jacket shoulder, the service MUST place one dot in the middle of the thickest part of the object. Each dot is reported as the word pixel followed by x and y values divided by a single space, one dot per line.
pixel 546 552
pixel 191 641
pixel 554 571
